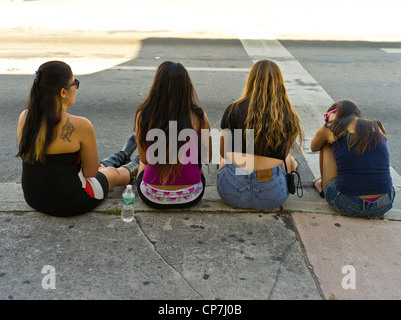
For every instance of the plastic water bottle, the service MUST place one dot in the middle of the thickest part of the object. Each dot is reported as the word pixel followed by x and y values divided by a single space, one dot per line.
pixel 127 213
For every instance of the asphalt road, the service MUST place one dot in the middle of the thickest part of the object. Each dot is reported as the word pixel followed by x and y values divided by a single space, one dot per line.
pixel 360 71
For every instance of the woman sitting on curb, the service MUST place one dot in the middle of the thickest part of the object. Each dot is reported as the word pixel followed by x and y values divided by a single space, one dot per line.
pixel 60 167
pixel 165 180
pixel 354 162
pixel 260 181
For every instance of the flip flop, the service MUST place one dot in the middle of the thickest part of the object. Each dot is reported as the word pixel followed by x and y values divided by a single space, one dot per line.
pixel 318 186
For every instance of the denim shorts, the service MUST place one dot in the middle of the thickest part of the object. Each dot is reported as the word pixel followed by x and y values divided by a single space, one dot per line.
pixel 355 206
pixel 241 189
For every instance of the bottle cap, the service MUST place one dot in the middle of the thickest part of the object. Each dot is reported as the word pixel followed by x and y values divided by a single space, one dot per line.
pixel 129 186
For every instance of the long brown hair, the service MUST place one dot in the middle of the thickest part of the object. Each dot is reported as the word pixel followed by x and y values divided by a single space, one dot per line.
pixel 367 132
pixel 44 110
pixel 172 97
pixel 266 108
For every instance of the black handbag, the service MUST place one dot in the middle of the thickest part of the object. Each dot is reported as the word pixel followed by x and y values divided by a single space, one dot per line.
pixel 291 182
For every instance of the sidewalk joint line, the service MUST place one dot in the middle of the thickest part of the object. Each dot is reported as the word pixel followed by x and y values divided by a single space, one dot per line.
pixel 165 261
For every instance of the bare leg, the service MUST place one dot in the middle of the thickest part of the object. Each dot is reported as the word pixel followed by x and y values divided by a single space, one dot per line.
pixel 328 165
pixel 116 176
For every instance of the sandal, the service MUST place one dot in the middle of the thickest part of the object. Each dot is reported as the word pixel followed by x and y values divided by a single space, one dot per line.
pixel 318 186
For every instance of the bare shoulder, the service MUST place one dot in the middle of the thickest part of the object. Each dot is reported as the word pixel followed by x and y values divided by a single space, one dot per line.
pixel 79 121
pixel 23 113
pixel 71 125
pixel 322 136
pixel 21 122
pixel 22 116
pixel 71 122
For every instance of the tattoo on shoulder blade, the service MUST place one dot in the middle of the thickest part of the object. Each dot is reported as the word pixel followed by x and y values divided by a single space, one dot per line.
pixel 67 131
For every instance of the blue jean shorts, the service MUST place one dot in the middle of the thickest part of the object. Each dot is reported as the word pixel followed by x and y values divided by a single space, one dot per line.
pixel 355 206
pixel 241 189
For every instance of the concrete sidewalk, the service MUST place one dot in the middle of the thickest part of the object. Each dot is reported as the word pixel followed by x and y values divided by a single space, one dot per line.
pixel 211 251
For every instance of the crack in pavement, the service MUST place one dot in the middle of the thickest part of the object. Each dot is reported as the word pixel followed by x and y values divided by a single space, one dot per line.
pixel 282 258
pixel 165 261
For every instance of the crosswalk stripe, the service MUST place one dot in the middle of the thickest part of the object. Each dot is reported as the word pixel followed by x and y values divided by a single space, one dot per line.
pixel 152 68
pixel 391 50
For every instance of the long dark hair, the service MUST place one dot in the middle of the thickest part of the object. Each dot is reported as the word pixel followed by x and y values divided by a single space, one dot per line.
pixel 44 110
pixel 172 97
pixel 367 132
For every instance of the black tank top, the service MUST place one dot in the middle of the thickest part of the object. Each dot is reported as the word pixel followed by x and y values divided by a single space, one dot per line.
pixel 55 187
pixel 230 122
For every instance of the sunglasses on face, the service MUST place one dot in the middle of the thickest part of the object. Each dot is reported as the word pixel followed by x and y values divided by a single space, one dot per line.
pixel 76 82
pixel 326 115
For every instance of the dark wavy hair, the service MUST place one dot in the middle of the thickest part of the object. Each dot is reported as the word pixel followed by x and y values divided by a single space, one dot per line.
pixel 44 110
pixel 172 97
pixel 367 132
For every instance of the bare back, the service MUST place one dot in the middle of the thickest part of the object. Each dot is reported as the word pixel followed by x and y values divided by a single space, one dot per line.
pixel 73 134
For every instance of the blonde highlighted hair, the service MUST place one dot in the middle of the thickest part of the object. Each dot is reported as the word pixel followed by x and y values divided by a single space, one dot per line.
pixel 270 113
pixel 44 110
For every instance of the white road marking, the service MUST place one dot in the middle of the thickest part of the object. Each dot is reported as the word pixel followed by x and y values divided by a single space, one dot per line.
pixel 152 68
pixel 391 50
pixel 80 66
